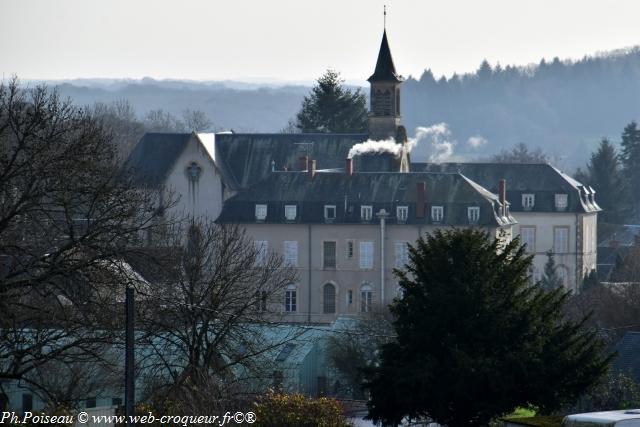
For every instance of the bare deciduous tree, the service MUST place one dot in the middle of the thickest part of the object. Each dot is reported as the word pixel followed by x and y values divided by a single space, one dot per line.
pixel 196 120
pixel 119 120
pixel 68 216
pixel 210 321
pixel 162 121
pixel 354 346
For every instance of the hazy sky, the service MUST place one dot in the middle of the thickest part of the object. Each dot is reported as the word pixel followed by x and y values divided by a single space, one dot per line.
pixel 296 40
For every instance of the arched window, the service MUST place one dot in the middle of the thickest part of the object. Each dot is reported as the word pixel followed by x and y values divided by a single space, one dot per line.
pixel 291 299
pixel 329 294
pixel 366 297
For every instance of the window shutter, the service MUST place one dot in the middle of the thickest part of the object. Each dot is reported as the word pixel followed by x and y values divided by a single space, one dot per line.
pixel 366 255
pixel 291 253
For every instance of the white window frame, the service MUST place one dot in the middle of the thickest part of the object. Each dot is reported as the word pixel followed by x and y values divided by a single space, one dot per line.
pixel 366 297
pixel 528 201
pixel 366 255
pixel 327 208
pixel 290 212
pixel 437 213
pixel 290 250
pixel 261 212
pixel 261 246
pixel 561 201
pixel 530 243
pixel 401 254
pixel 402 213
pixel 473 214
pixel 560 242
pixel 366 212
pixel 291 299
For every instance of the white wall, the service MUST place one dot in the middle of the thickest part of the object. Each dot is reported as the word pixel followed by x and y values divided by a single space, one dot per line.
pixel 200 198
pixel 580 258
pixel 347 276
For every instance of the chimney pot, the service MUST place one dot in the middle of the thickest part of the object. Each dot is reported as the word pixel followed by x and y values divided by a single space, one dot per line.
pixel 348 168
pixel 420 199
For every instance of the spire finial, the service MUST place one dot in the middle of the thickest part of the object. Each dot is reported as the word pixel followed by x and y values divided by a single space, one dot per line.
pixel 384 13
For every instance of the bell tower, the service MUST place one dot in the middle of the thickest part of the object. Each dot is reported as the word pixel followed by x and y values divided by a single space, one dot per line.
pixel 384 115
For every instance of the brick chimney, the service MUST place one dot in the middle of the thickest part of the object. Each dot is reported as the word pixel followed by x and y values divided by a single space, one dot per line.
pixel 420 199
pixel 302 163
pixel 348 167
pixel 311 168
pixel 502 194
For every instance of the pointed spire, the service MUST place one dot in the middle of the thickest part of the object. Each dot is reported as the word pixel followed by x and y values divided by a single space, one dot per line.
pixel 385 70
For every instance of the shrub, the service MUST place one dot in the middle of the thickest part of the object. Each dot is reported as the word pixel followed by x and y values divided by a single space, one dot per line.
pixel 296 410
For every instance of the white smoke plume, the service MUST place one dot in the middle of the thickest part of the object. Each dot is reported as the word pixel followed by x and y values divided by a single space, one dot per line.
pixel 476 141
pixel 433 144
pixel 370 146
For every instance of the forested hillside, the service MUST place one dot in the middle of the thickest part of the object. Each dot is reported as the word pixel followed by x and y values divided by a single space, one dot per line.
pixel 563 107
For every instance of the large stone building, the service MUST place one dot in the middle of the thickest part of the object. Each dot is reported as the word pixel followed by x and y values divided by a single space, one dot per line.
pixel 345 231
pixel 554 211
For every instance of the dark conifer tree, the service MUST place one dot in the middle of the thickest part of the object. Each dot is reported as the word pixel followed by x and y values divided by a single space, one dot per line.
pixel 475 340
pixel 330 107
pixel 550 279
pixel 630 158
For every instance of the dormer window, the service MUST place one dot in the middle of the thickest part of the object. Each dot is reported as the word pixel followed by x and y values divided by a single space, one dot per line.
pixel 366 212
pixel 473 214
pixel 402 213
pixel 437 213
pixel 290 212
pixel 528 201
pixel 329 212
pixel 261 212
pixel 562 201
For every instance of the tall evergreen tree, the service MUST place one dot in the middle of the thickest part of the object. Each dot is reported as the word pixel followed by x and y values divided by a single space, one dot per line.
pixel 605 176
pixel 330 107
pixel 475 339
pixel 630 158
pixel 550 279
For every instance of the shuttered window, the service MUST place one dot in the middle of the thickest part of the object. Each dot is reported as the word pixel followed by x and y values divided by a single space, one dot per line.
pixel 329 254
pixel 261 247
pixel 329 298
pixel 528 238
pixel 291 253
pixel 561 240
pixel 402 254
pixel 366 255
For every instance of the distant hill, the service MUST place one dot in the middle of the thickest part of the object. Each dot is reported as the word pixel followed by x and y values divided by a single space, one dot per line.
pixel 563 107
pixel 230 105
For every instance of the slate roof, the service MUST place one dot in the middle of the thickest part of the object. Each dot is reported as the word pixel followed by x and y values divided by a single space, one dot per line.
pixel 246 159
pixel 628 359
pixel 385 69
pixel 388 190
pixel 540 179
pixel 154 156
